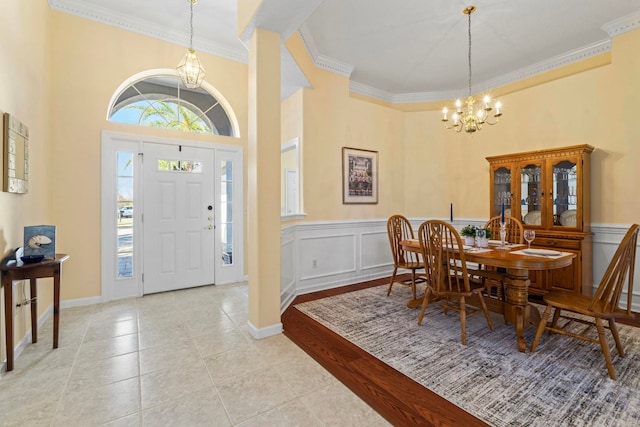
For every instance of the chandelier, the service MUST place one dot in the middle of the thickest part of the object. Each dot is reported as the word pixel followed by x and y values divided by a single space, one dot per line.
pixel 190 70
pixel 471 120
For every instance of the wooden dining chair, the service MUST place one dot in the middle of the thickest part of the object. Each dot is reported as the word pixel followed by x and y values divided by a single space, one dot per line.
pixel 603 305
pixel 446 273
pixel 399 229
pixel 496 278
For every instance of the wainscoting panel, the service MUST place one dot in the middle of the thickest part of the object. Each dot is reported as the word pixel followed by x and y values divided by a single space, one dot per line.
pixel 376 252
pixel 288 266
pixel 325 255
pixel 331 254
pixel 605 243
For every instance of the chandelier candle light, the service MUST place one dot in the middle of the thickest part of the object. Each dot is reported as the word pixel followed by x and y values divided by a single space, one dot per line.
pixel 190 70
pixel 471 120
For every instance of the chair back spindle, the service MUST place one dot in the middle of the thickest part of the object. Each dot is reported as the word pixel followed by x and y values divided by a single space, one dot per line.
pixel 621 269
pixel 515 229
pixel 446 272
pixel 399 229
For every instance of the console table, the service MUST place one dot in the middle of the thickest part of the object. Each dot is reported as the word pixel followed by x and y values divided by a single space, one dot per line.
pixel 42 269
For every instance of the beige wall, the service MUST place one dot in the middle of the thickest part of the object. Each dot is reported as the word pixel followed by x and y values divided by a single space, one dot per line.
pixel 24 92
pixel 595 107
pixel 102 59
pixel 332 120
pixel 424 168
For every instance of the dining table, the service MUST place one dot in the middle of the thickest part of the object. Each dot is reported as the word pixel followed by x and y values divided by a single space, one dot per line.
pixel 517 263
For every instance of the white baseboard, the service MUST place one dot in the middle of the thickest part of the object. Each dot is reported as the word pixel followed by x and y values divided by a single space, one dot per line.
pixel 80 302
pixel 17 349
pixel 269 331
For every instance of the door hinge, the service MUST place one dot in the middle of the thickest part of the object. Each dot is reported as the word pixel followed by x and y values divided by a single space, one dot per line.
pixel 141 155
pixel 142 277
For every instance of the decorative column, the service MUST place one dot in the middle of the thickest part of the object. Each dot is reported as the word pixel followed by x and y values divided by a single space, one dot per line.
pixel 263 166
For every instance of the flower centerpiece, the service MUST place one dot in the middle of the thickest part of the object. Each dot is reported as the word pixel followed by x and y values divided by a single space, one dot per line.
pixel 469 234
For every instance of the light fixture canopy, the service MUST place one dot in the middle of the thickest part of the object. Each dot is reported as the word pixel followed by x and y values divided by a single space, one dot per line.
pixel 471 121
pixel 190 69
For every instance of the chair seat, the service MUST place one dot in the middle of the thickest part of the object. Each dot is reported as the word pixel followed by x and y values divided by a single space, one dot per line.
pixel 603 305
pixel 457 294
pixel 411 265
pixel 580 304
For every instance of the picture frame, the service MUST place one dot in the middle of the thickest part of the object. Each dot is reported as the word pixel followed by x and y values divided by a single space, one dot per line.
pixel 359 176
pixel 40 240
pixel 16 155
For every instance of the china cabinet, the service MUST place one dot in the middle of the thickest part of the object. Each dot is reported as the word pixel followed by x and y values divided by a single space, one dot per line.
pixel 549 191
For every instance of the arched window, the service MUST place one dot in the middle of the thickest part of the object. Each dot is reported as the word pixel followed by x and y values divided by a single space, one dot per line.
pixel 160 99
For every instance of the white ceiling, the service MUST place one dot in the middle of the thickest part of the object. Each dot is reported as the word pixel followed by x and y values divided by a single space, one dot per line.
pixel 395 50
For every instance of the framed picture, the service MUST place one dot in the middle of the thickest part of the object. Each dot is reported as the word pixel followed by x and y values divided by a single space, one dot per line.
pixel 359 176
pixel 40 240
pixel 16 155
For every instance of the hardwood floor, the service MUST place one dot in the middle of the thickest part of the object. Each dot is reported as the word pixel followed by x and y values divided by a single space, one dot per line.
pixel 399 399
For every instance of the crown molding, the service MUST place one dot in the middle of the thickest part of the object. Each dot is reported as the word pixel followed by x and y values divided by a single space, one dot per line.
pixel 552 63
pixel 108 17
pixel 622 25
pixel 282 16
pixel 403 98
pixel 523 73
pixel 128 23
pixel 322 61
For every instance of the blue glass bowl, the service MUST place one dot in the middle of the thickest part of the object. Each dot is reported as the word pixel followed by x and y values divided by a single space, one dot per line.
pixel 28 259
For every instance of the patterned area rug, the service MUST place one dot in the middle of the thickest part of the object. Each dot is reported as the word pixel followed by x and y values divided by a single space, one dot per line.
pixel 563 383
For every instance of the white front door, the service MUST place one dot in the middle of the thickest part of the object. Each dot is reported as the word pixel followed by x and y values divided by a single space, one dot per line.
pixel 179 217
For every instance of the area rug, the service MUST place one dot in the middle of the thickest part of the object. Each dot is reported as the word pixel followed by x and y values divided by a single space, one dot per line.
pixel 563 383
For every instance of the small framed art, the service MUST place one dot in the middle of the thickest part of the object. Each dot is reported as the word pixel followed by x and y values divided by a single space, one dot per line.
pixel 359 176
pixel 40 240
pixel 16 155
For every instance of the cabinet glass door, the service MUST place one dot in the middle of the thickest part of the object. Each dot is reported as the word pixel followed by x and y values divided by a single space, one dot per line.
pixel 501 191
pixel 531 193
pixel 565 193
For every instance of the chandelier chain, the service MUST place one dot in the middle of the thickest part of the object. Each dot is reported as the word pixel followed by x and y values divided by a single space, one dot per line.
pixel 191 27
pixel 469 16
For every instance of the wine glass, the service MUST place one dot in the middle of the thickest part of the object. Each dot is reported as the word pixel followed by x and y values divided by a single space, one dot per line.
pixel 529 235
pixel 481 237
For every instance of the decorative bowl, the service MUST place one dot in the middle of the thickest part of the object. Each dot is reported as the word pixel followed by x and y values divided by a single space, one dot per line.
pixel 29 259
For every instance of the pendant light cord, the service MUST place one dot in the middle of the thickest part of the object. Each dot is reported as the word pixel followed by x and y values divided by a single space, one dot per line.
pixel 469 15
pixel 191 25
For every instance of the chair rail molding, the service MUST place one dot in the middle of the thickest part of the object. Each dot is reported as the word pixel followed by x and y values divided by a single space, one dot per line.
pixel 323 255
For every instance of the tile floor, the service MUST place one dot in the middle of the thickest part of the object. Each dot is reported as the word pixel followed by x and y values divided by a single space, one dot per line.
pixel 182 358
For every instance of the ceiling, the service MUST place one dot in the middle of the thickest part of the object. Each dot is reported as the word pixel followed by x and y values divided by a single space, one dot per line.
pixel 394 50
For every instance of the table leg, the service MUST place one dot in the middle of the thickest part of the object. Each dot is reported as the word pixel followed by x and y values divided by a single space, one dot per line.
pixel 7 283
pixel 34 311
pixel 517 310
pixel 56 304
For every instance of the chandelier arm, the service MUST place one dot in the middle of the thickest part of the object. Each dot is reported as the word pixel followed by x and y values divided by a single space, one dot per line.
pixel 457 126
